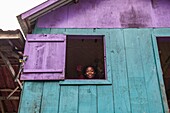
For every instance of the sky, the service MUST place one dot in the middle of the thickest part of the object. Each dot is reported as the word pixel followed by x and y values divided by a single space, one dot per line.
pixel 9 9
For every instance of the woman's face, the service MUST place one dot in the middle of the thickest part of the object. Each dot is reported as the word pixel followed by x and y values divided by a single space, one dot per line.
pixel 90 72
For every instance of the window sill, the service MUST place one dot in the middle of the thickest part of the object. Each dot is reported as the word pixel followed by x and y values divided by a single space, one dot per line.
pixel 80 82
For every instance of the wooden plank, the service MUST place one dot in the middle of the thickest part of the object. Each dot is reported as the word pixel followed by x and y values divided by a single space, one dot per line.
pixel 107 55
pixel 44 8
pixel 31 97
pixel 50 98
pixel 43 71
pixel 78 82
pixel 38 30
pixel 9 90
pixel 42 76
pixel 161 32
pixel 136 78
pixel 105 99
pixel 8 64
pixel 2 107
pixel 45 38
pixel 119 72
pixel 58 31
pixel 79 31
pixel 87 99
pixel 105 96
pixel 69 99
pixel 11 98
pixel 150 71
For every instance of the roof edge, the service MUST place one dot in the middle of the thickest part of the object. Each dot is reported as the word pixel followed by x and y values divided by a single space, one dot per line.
pixel 28 19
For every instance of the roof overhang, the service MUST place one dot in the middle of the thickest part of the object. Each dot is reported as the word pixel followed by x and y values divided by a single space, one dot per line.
pixel 12 38
pixel 11 34
pixel 27 19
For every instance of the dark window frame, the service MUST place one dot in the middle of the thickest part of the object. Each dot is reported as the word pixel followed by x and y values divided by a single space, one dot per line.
pixel 108 75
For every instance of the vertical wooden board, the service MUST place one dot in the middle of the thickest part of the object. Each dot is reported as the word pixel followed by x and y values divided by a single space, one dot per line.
pixel 119 72
pixel 105 99
pixel 35 52
pixel 38 31
pixel 138 96
pixel 68 99
pixel 107 46
pixel 31 97
pixel 55 56
pixel 50 97
pixel 137 84
pixel 87 99
pixel 150 71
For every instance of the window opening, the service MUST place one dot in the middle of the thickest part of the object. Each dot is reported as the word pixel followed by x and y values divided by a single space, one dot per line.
pixel 85 57
pixel 164 48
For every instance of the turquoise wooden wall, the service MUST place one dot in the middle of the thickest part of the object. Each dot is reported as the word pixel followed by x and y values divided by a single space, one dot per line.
pixel 137 85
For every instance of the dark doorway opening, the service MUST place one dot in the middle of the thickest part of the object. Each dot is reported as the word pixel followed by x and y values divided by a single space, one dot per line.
pixel 164 54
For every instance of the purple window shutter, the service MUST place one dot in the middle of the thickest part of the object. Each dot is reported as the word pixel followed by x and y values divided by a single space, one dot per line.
pixel 46 57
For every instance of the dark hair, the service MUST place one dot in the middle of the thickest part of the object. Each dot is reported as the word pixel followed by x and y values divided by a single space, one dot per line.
pixel 85 68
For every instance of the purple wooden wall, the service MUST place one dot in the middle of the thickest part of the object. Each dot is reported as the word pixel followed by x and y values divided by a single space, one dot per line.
pixel 109 14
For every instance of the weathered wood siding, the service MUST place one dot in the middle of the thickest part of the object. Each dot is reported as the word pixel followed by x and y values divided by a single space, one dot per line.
pixel 135 85
pixel 109 14
pixel 46 61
